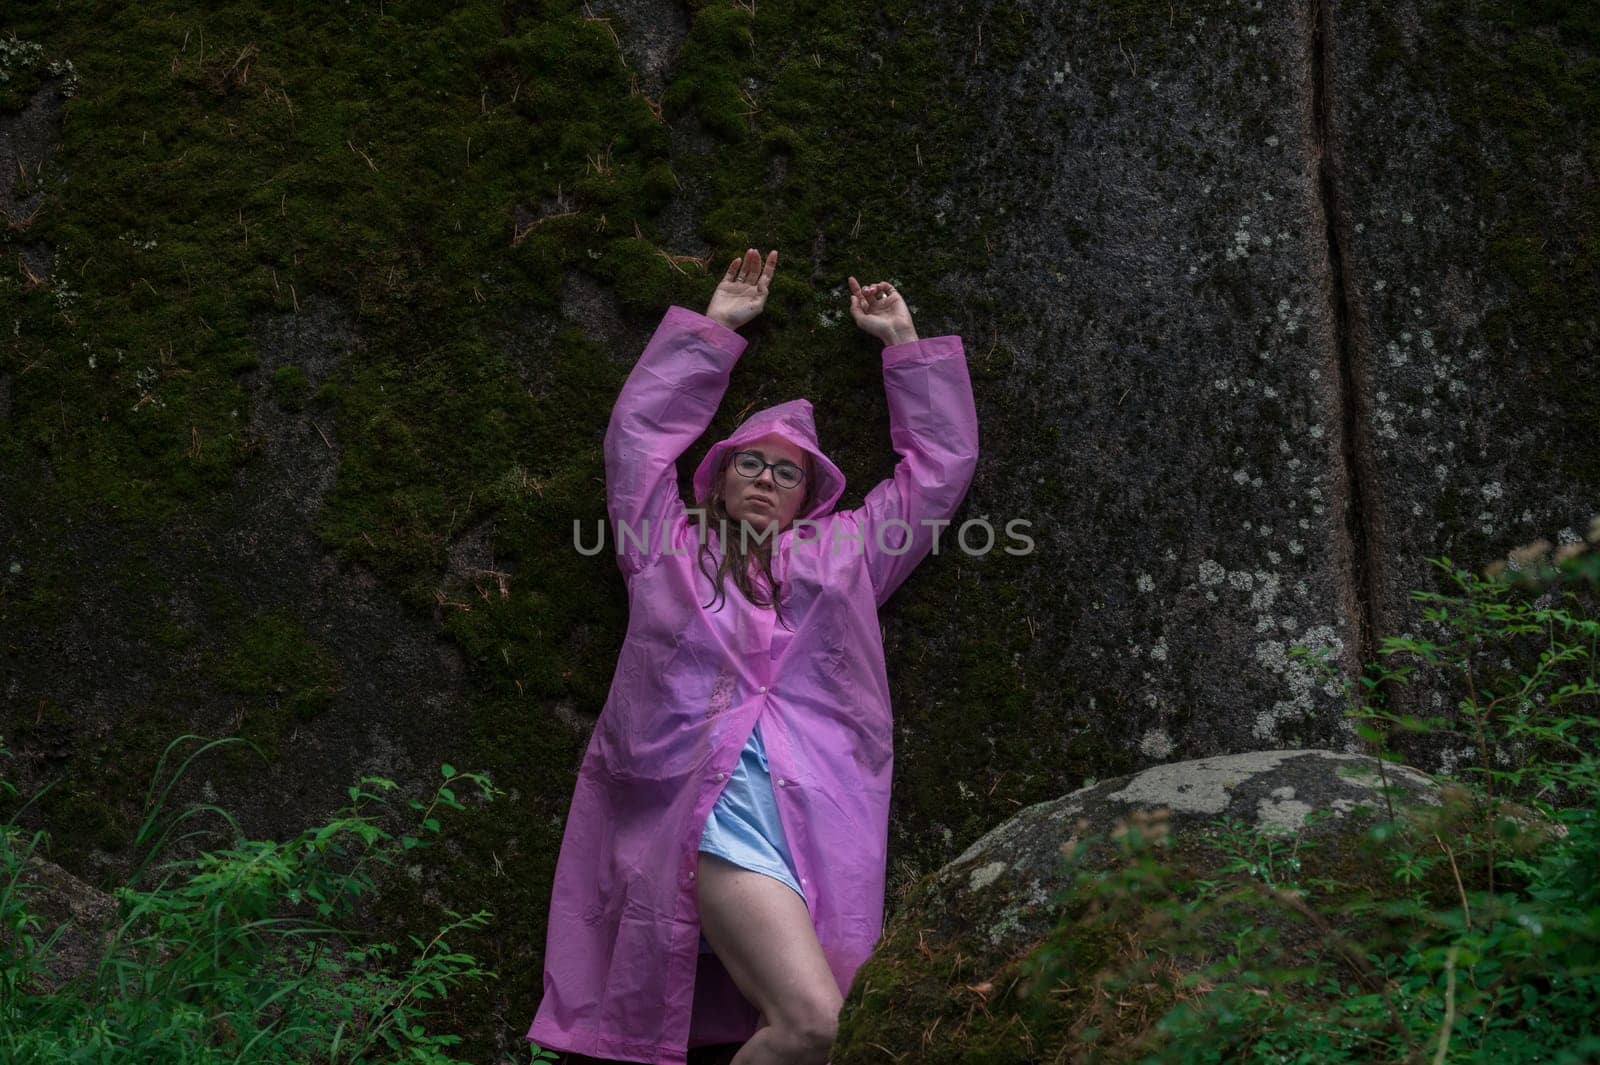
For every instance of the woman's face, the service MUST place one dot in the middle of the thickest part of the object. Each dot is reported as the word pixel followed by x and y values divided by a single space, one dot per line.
pixel 761 501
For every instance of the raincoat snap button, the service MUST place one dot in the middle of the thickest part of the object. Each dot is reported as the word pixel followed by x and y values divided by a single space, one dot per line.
pixel 722 776
pixel 763 688
pixel 691 875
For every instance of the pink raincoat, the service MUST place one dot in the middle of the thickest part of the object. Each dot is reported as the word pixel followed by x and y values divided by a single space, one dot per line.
pixel 623 975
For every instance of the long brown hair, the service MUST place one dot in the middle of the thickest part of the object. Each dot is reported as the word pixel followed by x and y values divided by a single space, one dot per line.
pixel 737 550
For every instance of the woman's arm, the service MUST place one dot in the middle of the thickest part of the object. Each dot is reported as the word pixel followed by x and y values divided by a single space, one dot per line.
pixel 667 402
pixel 933 424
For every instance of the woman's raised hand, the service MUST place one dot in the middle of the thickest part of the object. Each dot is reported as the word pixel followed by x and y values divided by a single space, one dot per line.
pixel 742 292
pixel 879 310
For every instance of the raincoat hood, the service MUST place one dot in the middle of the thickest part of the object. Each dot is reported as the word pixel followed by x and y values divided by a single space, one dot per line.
pixel 793 422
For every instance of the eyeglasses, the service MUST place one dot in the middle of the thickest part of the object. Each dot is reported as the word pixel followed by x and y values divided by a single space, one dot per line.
pixel 751 465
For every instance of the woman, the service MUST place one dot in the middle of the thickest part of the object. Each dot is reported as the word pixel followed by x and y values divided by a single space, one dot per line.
pixel 721 875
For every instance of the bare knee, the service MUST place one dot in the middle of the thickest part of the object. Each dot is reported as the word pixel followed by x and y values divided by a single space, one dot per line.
pixel 810 1023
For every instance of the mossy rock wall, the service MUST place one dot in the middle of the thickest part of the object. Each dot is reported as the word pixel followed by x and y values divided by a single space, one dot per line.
pixel 316 323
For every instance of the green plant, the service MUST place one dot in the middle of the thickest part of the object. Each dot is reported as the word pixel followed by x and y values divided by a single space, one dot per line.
pixel 235 955
pixel 1272 858
pixel 23 961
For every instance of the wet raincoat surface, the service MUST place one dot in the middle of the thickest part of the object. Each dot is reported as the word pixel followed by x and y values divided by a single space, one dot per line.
pixel 623 975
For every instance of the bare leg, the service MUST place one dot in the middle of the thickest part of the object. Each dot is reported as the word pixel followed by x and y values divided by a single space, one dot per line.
pixel 762 932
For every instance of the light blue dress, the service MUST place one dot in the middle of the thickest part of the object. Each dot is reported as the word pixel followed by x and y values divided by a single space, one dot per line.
pixel 743 826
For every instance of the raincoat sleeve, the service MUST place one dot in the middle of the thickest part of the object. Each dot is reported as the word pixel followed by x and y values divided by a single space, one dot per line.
pixel 933 425
pixel 667 402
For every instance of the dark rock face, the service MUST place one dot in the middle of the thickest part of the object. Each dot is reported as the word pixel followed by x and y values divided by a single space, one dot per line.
pixel 1306 304
pixel 1230 410
pixel 648 32
pixel 387 682
pixel 1471 322
pixel 28 143
pixel 1172 423
pixel 364 687
pixel 299 449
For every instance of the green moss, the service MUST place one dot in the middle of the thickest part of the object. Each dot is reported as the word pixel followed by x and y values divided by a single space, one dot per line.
pixel 707 80
pixel 85 820
pixel 290 387
pixel 284 674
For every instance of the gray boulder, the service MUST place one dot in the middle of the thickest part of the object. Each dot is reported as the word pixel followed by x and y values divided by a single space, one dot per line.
pixel 1015 868
pixel 957 972
pixel 80 917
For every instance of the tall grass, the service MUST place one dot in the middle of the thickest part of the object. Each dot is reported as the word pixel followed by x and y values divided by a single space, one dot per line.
pixel 238 955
